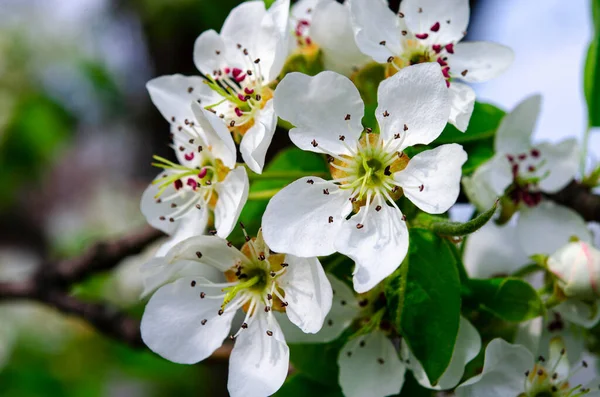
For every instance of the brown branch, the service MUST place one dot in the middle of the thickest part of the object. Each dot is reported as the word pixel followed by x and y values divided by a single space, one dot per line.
pixel 579 198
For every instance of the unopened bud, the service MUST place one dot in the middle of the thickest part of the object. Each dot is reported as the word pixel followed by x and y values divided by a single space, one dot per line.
pixel 577 267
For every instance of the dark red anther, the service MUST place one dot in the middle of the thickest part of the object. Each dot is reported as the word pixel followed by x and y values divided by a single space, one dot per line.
pixel 227 70
pixel 240 78
pixel 510 158
pixel 515 170
pixel 446 72
pixel 437 48
pixel 435 27
pixel 192 183
pixel 202 173
pixel 242 97
pixel 450 48
pixel 248 91
pixel 442 62
pixel 238 112
pixel 236 72
pixel 448 83
pixel 531 168
pixel 308 41
pixel 189 156
pixel 422 36
pixel 522 156
pixel 178 184
pixel 535 153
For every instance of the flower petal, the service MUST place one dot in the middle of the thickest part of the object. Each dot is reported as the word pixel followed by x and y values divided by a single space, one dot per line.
pixel 413 103
pixel 562 162
pixel 547 226
pixel 378 247
pixel 172 322
pixel 488 182
pixel 173 95
pixel 307 292
pixel 207 250
pixel 331 29
pixel 370 366
pixel 192 224
pixel 233 193
pixel 478 61
pixel 462 103
pixel 216 134
pixel 493 251
pixel 373 23
pixel 467 347
pixel 259 363
pixel 304 217
pixel 579 312
pixel 322 108
pixel 211 53
pixel 431 180
pixel 514 133
pixel 452 16
pixel 503 372
pixel 257 139
pixel 343 311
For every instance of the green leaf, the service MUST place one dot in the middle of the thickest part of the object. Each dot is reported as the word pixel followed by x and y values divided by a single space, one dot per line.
pixel 411 388
pixel 447 228
pixel 510 299
pixel 423 299
pixel 591 75
pixel 367 81
pixel 302 386
pixel 482 126
pixel 269 3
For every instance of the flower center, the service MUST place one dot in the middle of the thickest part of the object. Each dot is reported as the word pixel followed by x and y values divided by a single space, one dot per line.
pixel 368 171
pixel 527 171
pixel 544 381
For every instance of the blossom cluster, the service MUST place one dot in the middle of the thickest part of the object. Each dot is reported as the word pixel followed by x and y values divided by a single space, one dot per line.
pixel 384 163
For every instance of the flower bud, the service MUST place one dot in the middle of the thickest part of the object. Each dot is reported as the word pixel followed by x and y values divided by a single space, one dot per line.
pixel 577 266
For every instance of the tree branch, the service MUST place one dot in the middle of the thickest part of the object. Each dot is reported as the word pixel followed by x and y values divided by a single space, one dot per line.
pixel 579 198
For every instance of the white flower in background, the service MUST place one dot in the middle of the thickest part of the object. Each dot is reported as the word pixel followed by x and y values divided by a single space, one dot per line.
pixel 238 65
pixel 510 371
pixel 187 319
pixel 524 171
pixel 325 25
pixel 430 31
pixel 180 197
pixel 577 267
pixel 370 364
pixel 308 217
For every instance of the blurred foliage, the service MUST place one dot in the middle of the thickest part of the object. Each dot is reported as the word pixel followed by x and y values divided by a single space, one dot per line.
pixel 591 76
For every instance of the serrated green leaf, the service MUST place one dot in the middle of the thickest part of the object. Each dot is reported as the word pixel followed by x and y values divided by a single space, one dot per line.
pixel 446 228
pixel 510 299
pixel 423 300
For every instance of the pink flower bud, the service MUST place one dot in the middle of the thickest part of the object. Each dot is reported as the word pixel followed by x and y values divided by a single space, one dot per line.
pixel 577 266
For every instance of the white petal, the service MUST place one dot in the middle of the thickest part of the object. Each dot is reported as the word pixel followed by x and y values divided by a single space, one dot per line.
pixel 297 219
pixel 331 29
pixel 233 193
pixel 417 104
pixel 370 366
pixel 318 107
pixel 462 103
pixel 373 22
pixel 421 15
pixel 488 182
pixel 217 135
pixel 304 9
pixel 579 312
pixel 514 133
pixel 378 248
pixel 431 180
pixel 172 322
pixel 208 250
pixel 481 60
pixel 547 226
pixel 343 311
pixel 172 96
pixel 503 372
pixel 193 224
pixel 258 138
pixel 468 344
pixel 486 252
pixel 279 12
pixel 259 363
pixel 242 24
pixel 307 292
pixel 562 162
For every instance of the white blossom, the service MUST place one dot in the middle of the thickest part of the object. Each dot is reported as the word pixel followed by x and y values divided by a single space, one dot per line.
pixel 429 31
pixel 308 217
pixel 188 318
pixel 577 267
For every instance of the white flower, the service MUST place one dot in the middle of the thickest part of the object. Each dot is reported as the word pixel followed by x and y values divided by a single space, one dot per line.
pixel 370 364
pixel 179 199
pixel 238 65
pixel 429 31
pixel 308 217
pixel 187 319
pixel 523 171
pixel 510 371
pixel 325 25
pixel 577 267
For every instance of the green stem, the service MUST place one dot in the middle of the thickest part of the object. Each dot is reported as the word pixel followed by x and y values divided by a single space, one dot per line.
pixel 263 194
pixel 270 175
